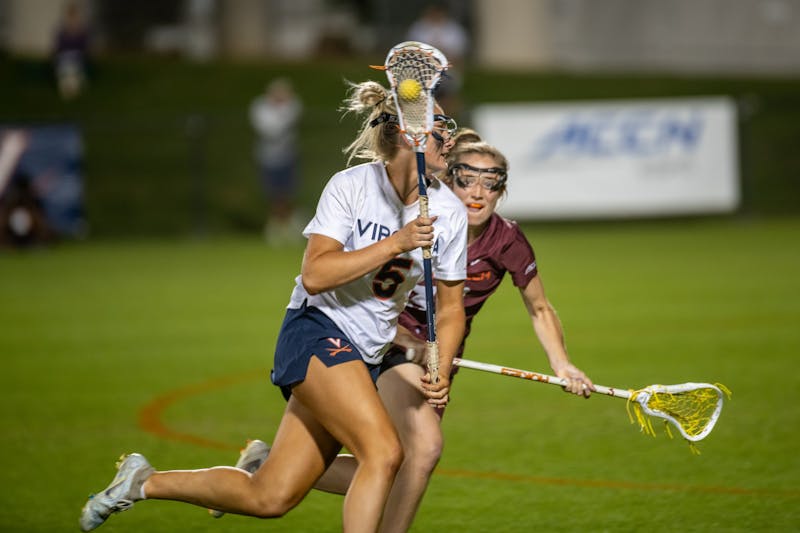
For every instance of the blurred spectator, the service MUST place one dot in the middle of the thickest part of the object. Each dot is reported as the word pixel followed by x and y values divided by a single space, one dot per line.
pixel 438 28
pixel 71 52
pixel 22 220
pixel 274 116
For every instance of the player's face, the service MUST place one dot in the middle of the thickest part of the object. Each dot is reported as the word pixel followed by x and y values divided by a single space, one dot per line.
pixel 475 187
pixel 440 142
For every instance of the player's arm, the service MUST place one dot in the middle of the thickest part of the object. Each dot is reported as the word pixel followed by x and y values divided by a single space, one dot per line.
pixel 450 324
pixel 551 336
pixel 326 265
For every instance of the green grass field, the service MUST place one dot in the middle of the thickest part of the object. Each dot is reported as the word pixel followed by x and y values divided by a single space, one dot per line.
pixel 163 347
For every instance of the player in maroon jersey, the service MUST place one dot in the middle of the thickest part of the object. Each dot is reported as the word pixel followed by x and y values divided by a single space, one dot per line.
pixel 477 173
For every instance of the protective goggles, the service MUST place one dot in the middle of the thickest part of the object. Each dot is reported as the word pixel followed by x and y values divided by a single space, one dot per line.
pixel 442 124
pixel 491 179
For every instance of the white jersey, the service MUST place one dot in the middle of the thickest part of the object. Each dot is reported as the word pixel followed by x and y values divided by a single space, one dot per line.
pixel 359 207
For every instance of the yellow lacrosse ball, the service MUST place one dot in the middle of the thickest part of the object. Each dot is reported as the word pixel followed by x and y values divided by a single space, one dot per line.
pixel 409 89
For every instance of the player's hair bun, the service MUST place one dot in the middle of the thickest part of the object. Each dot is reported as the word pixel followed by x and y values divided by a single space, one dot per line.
pixel 363 97
pixel 371 93
pixel 466 135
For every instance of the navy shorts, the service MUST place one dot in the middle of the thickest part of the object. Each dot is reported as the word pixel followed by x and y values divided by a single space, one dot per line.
pixel 308 332
pixel 395 356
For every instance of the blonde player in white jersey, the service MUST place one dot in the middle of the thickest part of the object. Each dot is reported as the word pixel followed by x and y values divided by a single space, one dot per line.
pixel 362 258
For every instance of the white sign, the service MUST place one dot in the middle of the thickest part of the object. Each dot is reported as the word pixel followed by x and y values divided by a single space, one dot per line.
pixel 615 159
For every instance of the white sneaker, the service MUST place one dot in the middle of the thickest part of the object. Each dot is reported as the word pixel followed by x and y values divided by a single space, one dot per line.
pixel 124 490
pixel 250 459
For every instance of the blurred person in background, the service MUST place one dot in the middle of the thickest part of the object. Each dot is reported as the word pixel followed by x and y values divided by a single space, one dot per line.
pixel 362 259
pixel 436 27
pixel 477 173
pixel 275 115
pixel 22 220
pixel 71 52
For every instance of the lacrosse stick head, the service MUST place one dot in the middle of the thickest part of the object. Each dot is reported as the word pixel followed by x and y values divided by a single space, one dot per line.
pixel 693 408
pixel 413 70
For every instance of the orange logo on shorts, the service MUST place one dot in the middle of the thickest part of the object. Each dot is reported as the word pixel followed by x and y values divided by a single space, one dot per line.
pixel 338 347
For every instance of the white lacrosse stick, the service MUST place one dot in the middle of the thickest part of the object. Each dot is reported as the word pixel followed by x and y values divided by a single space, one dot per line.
pixel 413 70
pixel 693 408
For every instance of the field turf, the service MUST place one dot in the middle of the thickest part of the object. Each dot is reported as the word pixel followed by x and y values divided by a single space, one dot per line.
pixel 163 347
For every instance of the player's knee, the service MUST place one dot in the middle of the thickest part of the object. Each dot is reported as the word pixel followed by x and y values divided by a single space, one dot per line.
pixel 276 503
pixel 424 452
pixel 386 457
pixel 393 456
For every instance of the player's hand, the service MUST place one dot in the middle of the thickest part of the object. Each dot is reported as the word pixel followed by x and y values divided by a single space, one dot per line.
pixel 577 382
pixel 438 394
pixel 416 234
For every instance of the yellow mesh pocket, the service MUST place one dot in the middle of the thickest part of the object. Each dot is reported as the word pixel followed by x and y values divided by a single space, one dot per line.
pixel 692 409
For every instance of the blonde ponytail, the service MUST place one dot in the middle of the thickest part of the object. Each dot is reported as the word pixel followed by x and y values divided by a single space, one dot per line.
pixel 377 139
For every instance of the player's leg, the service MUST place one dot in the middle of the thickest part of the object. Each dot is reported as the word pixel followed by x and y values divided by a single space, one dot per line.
pixel 335 480
pixel 353 413
pixel 251 457
pixel 303 450
pixel 344 397
pixel 338 476
pixel 300 453
pixel 418 426
pixel 420 433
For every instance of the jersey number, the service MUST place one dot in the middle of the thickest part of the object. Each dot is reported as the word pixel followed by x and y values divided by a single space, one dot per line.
pixel 389 278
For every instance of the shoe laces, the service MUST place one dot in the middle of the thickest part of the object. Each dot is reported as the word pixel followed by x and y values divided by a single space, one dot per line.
pixel 118 506
pixel 121 505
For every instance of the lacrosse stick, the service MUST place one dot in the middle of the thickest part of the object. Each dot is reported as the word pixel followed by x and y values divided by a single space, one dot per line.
pixel 693 408
pixel 413 70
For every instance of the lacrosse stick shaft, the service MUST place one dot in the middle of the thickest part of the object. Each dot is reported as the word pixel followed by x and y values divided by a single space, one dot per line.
pixel 534 376
pixel 692 408
pixel 418 67
pixel 430 309
pixel 426 252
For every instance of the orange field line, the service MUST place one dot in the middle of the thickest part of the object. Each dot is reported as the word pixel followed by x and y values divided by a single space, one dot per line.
pixel 150 416
pixel 151 420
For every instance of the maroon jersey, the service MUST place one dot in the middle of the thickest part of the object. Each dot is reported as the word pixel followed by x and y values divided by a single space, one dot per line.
pixel 501 248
